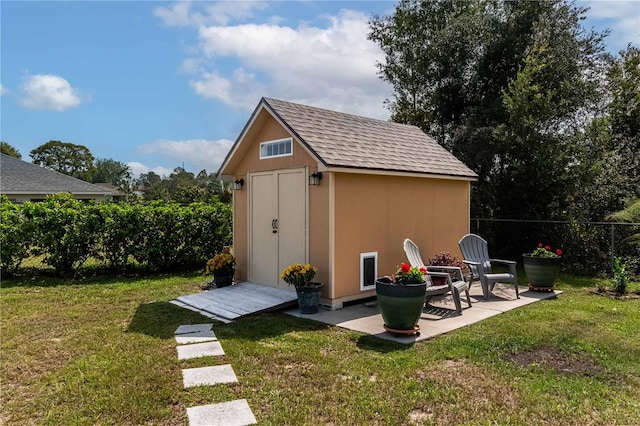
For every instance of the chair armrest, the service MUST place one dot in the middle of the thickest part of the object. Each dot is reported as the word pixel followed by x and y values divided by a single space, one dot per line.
pixel 510 263
pixel 433 268
pixel 472 263
pixel 506 262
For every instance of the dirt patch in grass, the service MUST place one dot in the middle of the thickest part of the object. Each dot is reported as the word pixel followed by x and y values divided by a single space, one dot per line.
pixel 456 379
pixel 557 360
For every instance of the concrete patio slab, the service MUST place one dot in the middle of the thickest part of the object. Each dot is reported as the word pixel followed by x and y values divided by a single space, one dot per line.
pixel 193 328
pixel 234 413
pixel 199 350
pixel 208 375
pixel 437 318
pixel 197 337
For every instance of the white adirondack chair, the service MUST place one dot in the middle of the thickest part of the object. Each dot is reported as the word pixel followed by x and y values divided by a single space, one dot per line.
pixel 453 286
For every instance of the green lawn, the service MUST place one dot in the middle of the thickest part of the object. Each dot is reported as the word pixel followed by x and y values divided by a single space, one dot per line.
pixel 101 351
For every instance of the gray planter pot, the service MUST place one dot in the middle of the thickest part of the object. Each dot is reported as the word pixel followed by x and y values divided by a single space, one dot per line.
pixel 309 298
pixel 541 271
pixel 400 304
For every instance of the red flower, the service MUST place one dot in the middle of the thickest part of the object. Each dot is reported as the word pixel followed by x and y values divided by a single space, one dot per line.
pixel 559 252
pixel 547 248
pixel 539 244
pixel 423 270
pixel 405 268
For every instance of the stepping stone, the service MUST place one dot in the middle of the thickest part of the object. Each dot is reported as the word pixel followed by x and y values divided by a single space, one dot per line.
pixel 199 350
pixel 197 337
pixel 193 328
pixel 234 413
pixel 208 375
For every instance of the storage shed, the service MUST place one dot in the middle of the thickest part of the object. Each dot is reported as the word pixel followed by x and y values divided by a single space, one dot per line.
pixel 340 192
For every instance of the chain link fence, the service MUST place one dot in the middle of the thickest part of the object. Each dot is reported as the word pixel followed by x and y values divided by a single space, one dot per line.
pixel 589 247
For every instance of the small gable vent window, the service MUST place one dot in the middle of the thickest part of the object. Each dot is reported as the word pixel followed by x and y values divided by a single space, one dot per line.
pixel 277 148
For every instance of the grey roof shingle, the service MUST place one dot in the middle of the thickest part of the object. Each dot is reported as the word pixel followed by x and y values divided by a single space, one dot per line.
pixel 346 140
pixel 21 177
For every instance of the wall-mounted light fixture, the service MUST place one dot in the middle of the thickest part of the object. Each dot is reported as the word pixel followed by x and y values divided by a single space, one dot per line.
pixel 237 184
pixel 315 178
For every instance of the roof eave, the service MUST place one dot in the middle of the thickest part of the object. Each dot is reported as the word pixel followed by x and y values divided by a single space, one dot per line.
pixel 387 172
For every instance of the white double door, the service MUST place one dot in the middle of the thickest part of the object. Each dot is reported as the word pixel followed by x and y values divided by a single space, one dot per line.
pixel 277 225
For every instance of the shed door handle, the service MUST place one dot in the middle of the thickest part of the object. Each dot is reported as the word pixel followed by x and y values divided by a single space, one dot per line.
pixel 274 226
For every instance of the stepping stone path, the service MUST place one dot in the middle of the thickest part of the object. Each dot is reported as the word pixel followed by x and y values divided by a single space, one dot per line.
pixel 199 340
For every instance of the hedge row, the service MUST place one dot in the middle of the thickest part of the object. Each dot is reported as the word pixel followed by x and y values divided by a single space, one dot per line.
pixel 66 232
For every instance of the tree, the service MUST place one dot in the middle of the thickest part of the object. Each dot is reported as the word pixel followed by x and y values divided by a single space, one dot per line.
pixel 7 149
pixel 504 86
pixel 153 186
pixel 113 172
pixel 624 112
pixel 64 157
pixel 611 177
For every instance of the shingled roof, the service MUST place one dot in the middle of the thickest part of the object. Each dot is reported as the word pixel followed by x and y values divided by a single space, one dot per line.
pixel 341 140
pixel 21 177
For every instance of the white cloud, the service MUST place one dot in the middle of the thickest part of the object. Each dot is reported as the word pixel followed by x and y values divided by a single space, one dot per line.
pixel 219 13
pixel 621 17
pixel 332 67
pixel 198 153
pixel 138 168
pixel 50 92
pixel 3 89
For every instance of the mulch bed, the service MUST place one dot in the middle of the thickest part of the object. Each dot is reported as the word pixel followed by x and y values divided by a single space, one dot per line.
pixel 613 295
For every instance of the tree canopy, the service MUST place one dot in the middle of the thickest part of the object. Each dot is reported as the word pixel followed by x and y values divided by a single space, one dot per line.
pixel 7 149
pixel 113 172
pixel 505 86
pixel 64 157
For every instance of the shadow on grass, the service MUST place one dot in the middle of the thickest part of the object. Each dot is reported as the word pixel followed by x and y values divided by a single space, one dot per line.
pixel 266 325
pixel 160 319
pixel 383 346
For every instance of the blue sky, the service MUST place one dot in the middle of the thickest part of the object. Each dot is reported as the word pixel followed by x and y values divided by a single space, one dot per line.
pixel 161 84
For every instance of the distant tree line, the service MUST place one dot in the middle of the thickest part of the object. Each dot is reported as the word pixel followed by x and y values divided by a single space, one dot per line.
pixel 529 99
pixel 74 160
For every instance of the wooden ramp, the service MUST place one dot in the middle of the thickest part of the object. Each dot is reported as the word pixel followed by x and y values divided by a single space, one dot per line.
pixel 229 303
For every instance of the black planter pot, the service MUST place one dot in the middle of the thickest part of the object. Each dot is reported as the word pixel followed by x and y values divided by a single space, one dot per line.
pixel 400 305
pixel 309 298
pixel 223 279
pixel 541 271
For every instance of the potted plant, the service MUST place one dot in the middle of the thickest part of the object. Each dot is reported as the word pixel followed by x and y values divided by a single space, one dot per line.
pixel 542 266
pixel 401 298
pixel 300 276
pixel 223 267
pixel 444 258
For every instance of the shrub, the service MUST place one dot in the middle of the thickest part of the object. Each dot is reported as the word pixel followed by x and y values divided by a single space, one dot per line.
pixel 67 232
pixel 620 277
pixel 15 236
pixel 64 231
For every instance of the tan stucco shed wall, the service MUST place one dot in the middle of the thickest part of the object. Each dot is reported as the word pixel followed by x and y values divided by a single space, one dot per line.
pixel 375 213
pixel 264 129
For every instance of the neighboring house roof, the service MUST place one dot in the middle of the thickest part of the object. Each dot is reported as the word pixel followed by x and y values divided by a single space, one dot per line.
pixel 21 177
pixel 341 140
pixel 110 188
